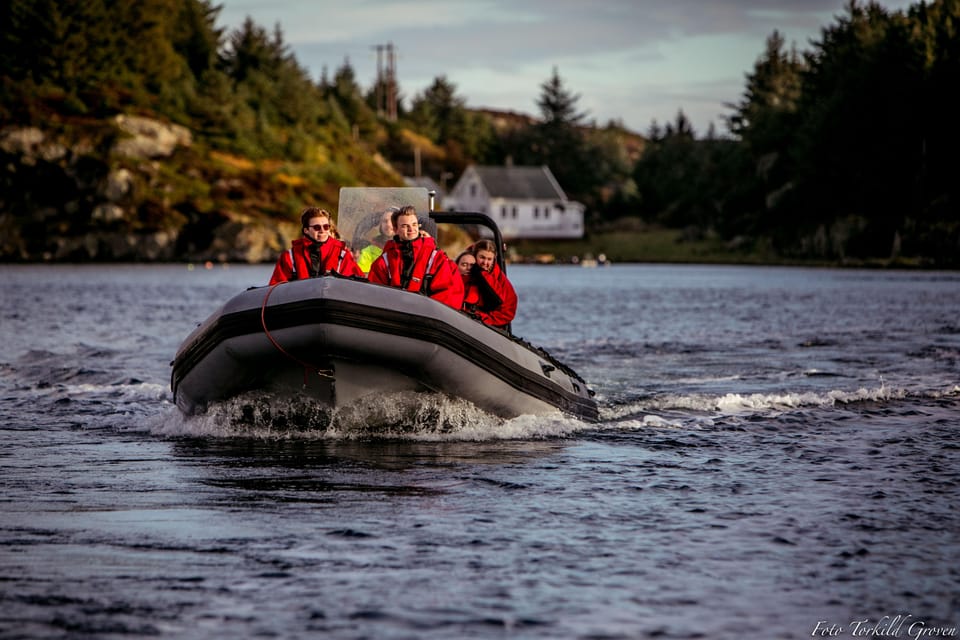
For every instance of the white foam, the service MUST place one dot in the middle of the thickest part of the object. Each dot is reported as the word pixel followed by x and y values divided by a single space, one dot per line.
pixel 732 403
pixel 697 410
pixel 437 418
pixel 418 417
pixel 129 392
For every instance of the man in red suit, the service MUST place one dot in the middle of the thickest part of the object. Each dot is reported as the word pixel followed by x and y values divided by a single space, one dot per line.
pixel 317 253
pixel 412 261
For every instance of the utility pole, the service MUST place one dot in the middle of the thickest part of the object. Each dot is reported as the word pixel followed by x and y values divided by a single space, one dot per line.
pixel 378 87
pixel 385 93
pixel 391 83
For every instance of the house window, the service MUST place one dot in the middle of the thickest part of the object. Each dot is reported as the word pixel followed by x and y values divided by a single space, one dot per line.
pixel 503 211
pixel 536 212
pixel 514 213
pixel 546 212
pixel 473 189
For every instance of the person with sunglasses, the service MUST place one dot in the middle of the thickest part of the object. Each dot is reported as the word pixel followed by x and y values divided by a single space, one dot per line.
pixel 412 261
pixel 318 252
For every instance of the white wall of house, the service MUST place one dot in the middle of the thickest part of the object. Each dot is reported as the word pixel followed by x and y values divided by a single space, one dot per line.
pixel 537 218
pixel 469 194
pixel 527 218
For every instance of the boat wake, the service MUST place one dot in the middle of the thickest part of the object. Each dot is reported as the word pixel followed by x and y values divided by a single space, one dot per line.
pixel 404 416
pixel 53 386
pixel 695 410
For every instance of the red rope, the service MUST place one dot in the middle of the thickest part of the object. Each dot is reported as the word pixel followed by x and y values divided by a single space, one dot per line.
pixel 263 323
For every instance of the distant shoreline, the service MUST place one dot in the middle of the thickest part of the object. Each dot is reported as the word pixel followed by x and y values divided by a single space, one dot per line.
pixel 638 244
pixel 674 246
pixel 893 265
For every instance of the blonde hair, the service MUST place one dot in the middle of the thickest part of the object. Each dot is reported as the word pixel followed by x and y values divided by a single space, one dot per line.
pixel 484 245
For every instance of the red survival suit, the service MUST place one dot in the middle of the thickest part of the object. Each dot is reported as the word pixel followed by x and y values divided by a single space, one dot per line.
pixel 295 263
pixel 431 267
pixel 490 296
pixel 471 294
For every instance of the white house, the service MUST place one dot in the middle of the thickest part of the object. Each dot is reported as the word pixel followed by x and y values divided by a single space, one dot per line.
pixel 525 202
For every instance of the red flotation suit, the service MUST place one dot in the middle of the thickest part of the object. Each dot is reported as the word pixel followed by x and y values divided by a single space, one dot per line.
pixel 295 263
pixel 433 272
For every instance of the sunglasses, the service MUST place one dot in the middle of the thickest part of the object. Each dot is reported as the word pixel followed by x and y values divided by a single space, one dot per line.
pixel 319 227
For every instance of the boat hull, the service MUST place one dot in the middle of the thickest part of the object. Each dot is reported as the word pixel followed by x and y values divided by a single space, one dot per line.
pixel 337 340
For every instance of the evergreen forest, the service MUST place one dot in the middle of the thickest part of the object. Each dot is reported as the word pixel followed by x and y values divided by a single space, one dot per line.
pixel 842 152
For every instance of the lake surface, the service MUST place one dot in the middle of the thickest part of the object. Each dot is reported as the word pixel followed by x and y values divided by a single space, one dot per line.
pixel 778 457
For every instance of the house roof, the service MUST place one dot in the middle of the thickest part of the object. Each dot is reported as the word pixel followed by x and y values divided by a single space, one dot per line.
pixel 422 181
pixel 536 183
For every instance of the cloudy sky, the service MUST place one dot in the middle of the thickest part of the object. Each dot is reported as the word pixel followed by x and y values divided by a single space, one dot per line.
pixel 630 60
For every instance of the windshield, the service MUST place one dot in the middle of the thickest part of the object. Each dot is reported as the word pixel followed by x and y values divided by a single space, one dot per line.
pixel 361 210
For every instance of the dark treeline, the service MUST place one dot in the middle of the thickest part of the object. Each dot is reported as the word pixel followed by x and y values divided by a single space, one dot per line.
pixel 844 151
pixel 244 92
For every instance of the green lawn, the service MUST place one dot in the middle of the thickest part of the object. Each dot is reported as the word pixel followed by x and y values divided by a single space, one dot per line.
pixel 651 245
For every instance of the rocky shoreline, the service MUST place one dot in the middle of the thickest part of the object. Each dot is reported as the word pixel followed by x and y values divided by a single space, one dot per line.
pixel 130 189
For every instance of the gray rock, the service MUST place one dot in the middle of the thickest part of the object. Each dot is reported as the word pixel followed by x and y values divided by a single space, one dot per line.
pixel 107 212
pixel 52 152
pixel 149 138
pixel 30 144
pixel 118 184
pixel 22 141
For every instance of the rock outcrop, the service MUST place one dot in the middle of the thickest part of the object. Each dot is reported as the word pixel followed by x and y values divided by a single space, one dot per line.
pixel 148 138
pixel 127 189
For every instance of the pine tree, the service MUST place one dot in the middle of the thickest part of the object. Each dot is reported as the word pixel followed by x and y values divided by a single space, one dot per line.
pixel 439 113
pixel 557 140
pixel 558 107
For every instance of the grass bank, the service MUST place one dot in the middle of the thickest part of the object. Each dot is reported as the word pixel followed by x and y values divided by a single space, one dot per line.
pixel 646 245
pixel 638 243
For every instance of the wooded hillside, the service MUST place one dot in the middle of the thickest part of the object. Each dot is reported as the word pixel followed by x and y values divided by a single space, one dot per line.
pixel 143 131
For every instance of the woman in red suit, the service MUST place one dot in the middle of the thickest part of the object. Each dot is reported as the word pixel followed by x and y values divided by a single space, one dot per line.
pixel 317 253
pixel 497 300
pixel 412 261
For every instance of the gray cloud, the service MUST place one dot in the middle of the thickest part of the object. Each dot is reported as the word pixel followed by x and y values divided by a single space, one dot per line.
pixel 616 53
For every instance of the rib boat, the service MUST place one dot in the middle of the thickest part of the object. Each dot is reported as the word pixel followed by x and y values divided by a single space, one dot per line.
pixel 335 339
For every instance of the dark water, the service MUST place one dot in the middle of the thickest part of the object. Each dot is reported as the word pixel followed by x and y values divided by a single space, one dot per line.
pixel 779 457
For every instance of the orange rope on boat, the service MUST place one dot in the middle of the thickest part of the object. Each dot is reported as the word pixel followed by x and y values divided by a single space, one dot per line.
pixel 263 323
